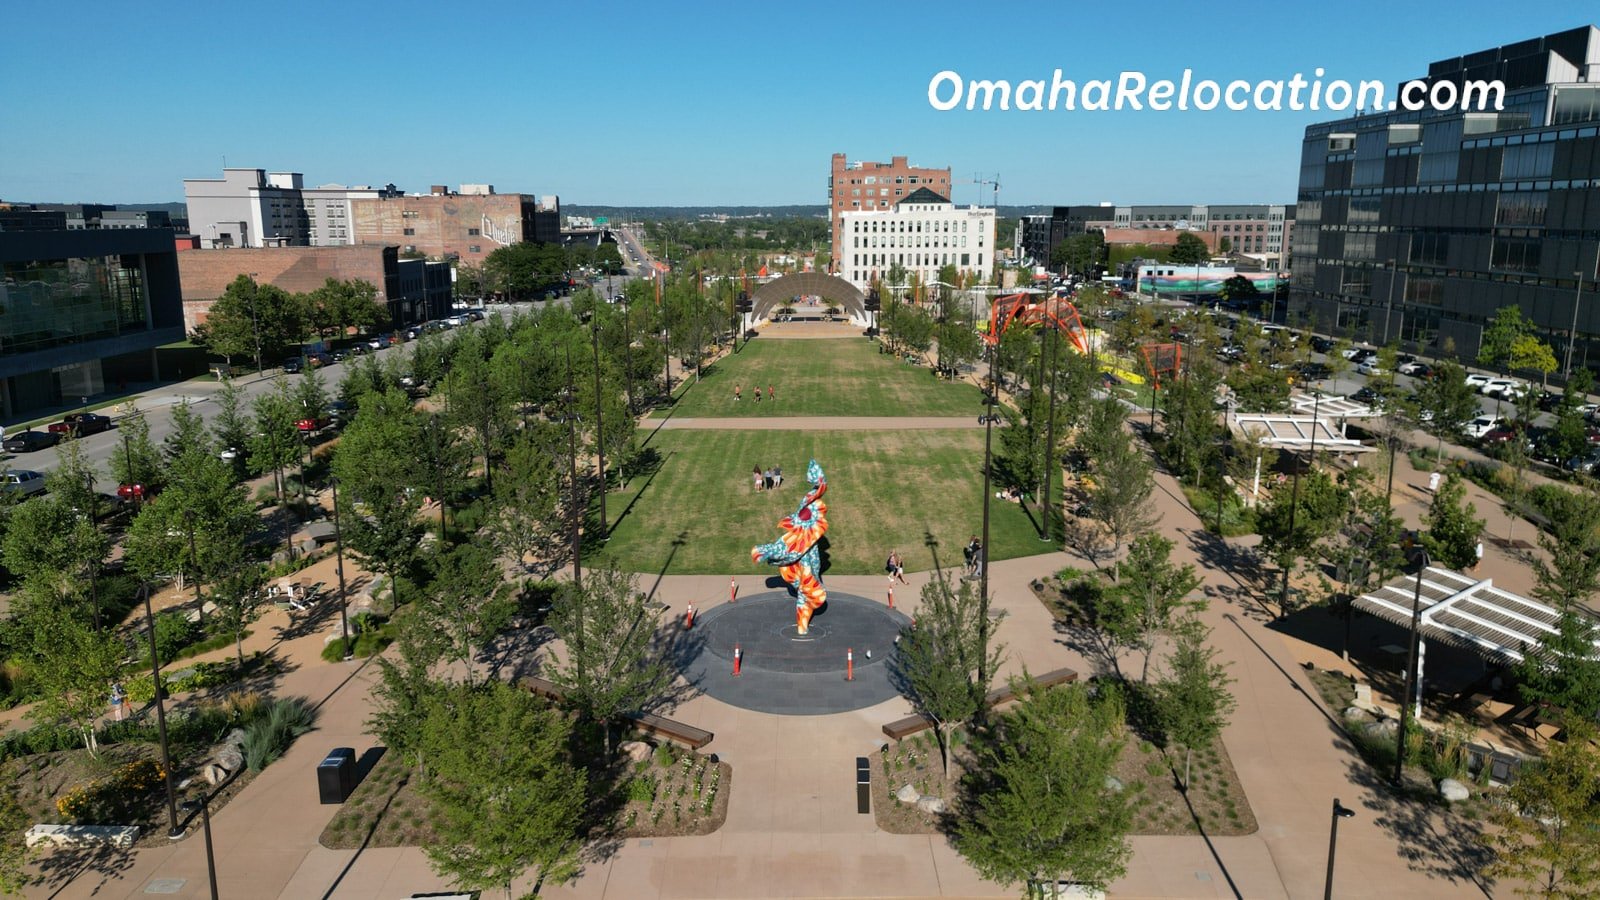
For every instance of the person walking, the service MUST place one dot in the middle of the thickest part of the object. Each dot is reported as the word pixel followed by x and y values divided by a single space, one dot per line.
pixel 970 552
pixel 1477 557
pixel 758 395
pixel 756 473
pixel 119 701
pixel 767 476
pixel 736 393
pixel 896 568
pixel 1433 483
pixel 769 391
pixel 777 476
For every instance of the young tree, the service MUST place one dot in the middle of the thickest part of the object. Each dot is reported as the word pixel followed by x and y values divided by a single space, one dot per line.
pixel 1571 544
pixel 51 546
pixel 1501 334
pixel 1035 806
pixel 939 660
pixel 465 603
pixel 1148 593
pixel 473 399
pixel 1193 703
pixel 1564 672
pixel 378 470
pixel 528 495
pixel 1189 250
pixel 74 666
pixel 1548 834
pixel 1453 531
pixel 230 426
pixel 1528 352
pixel 505 797
pixel 1299 518
pixel 1446 402
pixel 251 320
pixel 15 854
pixel 611 665
pixel 134 458
pixel 240 601
pixel 275 442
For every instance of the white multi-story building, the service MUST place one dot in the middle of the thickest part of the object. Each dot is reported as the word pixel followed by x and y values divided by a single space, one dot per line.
pixel 255 208
pixel 922 233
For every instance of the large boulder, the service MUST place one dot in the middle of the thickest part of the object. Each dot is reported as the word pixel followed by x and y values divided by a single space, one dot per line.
pixel 305 546
pixel 637 751
pixel 1453 790
pixel 230 757
pixel 214 774
pixel 931 804
pixel 908 794
pixel 234 738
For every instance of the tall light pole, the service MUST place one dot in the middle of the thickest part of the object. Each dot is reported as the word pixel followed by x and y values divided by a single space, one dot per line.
pixel 338 551
pixel 1572 333
pixel 1389 307
pixel 1339 812
pixel 571 403
pixel 173 831
pixel 1046 507
pixel 599 423
pixel 1411 669
pixel 255 326
pixel 203 804
pixel 983 551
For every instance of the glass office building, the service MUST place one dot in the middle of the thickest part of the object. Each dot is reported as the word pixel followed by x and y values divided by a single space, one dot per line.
pixel 1416 227
pixel 83 309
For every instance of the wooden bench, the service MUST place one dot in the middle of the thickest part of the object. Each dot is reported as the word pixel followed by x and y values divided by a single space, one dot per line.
pixel 900 729
pixel 677 732
pixel 119 836
pixel 659 726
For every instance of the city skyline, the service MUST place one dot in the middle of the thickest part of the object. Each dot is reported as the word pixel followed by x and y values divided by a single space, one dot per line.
pixel 664 109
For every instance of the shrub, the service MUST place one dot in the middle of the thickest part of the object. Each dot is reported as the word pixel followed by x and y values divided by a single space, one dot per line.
pixel 642 789
pixel 266 738
pixel 109 799
pixel 173 633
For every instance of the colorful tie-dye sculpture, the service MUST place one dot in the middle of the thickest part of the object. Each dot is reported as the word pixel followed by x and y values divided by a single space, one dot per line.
pixel 796 552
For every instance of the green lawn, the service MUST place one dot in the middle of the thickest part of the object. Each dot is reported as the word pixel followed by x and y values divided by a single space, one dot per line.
pixel 823 378
pixel 886 489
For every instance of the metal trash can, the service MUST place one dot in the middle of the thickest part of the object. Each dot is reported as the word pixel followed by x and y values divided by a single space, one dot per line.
pixel 863 785
pixel 336 775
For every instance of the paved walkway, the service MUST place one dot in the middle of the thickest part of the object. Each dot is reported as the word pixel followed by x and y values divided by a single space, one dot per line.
pixel 792 829
pixel 817 423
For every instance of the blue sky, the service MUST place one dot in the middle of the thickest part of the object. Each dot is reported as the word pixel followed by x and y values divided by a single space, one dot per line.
pixel 681 104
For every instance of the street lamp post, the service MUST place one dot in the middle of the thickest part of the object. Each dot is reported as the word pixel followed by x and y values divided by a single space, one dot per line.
pixel 173 831
pixel 570 414
pixel 599 423
pixel 1572 333
pixel 203 804
pixel 1045 505
pixel 338 551
pixel 1411 669
pixel 1339 812
pixel 1389 307
pixel 983 551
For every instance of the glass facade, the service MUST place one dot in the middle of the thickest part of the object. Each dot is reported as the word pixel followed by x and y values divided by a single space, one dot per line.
pixel 51 303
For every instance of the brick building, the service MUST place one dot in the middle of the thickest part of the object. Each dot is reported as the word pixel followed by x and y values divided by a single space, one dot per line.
pixel 413 290
pixel 445 225
pixel 874 186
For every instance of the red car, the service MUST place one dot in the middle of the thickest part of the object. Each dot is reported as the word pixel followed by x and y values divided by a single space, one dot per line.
pixel 80 424
pixel 312 425
pixel 135 493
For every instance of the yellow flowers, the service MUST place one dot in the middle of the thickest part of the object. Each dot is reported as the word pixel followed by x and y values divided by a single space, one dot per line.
pixel 135 777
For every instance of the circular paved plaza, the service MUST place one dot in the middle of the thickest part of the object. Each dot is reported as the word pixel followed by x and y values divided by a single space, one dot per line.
pixel 785 673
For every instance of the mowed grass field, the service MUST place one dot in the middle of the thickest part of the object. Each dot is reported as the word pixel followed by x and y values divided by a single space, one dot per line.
pixel 823 378
pixel 886 491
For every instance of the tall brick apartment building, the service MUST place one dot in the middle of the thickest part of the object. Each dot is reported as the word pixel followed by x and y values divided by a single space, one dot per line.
pixel 869 186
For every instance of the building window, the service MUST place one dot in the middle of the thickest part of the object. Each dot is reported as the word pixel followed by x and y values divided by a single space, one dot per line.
pixel 409 232
pixel 475 248
pixel 472 232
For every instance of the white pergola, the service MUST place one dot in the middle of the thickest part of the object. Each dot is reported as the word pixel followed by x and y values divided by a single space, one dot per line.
pixel 1339 408
pixel 1464 612
pixel 1295 432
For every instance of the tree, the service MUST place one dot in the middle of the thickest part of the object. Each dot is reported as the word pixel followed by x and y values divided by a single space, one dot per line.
pixel 240 601
pixel 1241 289
pixel 338 306
pixel 939 659
pixel 378 469
pixel 465 603
pixel 1193 703
pixel 1119 497
pixel 1301 515
pixel 1571 543
pixel 528 495
pixel 275 442
pixel 50 546
pixel 229 425
pixel 134 458
pixel 1501 334
pixel 15 855
pixel 253 320
pixel 474 400
pixel 1528 352
pixel 1548 835
pixel 1564 672
pixel 1446 402
pixel 505 797
pixel 1035 807
pixel 1189 250
pixel 1080 254
pixel 1149 591
pixel 611 665
pixel 1568 438
pixel 74 666
pixel 1451 538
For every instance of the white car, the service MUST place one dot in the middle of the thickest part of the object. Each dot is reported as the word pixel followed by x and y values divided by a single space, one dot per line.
pixel 1504 388
pixel 1411 368
pixel 1371 368
pixel 1477 380
pixel 1481 426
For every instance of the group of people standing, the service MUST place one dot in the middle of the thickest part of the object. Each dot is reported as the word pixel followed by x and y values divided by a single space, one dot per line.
pixel 738 393
pixel 769 479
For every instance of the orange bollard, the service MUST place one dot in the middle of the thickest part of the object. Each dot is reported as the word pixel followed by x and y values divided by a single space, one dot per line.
pixel 850 664
pixel 891 595
pixel 733 590
pixel 688 618
pixel 738 655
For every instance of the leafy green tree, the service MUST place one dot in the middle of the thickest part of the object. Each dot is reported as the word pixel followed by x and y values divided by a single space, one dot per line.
pixel 1569 436
pixel 1122 485
pixel 505 797
pixel 939 659
pixel 1500 336
pixel 1080 254
pixel 339 306
pixel 528 494
pixel 1193 703
pixel 1446 402
pixel 611 665
pixel 15 854
pixel 275 442
pixel 1564 671
pixel 1189 250
pixel 51 547
pixel 525 269
pixel 1528 352
pixel 252 320
pixel 134 458
pixel 310 396
pixel 406 689
pixel 74 666
pixel 378 469
pixel 1567 575
pixel 240 602
pixel 474 400
pixel 1148 594
pixel 1035 808
pixel 188 430
pixel 230 426
pixel 1451 538
pixel 1547 839
pixel 465 603
pixel 1240 288
pixel 1299 518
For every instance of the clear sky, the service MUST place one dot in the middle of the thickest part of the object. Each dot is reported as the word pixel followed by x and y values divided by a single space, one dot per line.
pixel 685 103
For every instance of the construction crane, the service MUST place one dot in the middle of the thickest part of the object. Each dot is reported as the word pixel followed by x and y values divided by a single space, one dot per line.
pixel 981 182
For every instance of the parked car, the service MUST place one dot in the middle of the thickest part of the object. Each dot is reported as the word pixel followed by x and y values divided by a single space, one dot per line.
pixel 1585 464
pixel 339 413
pixel 293 365
pixel 1504 388
pixel 1414 368
pixel 1505 434
pixel 1370 368
pixel 375 343
pixel 1366 395
pixel 1321 344
pixel 135 493
pixel 312 424
pixel 1230 352
pixel 318 359
pixel 30 440
pixel 23 481
pixel 80 424
pixel 1481 426
pixel 1351 353
pixel 1314 371
pixel 1476 380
